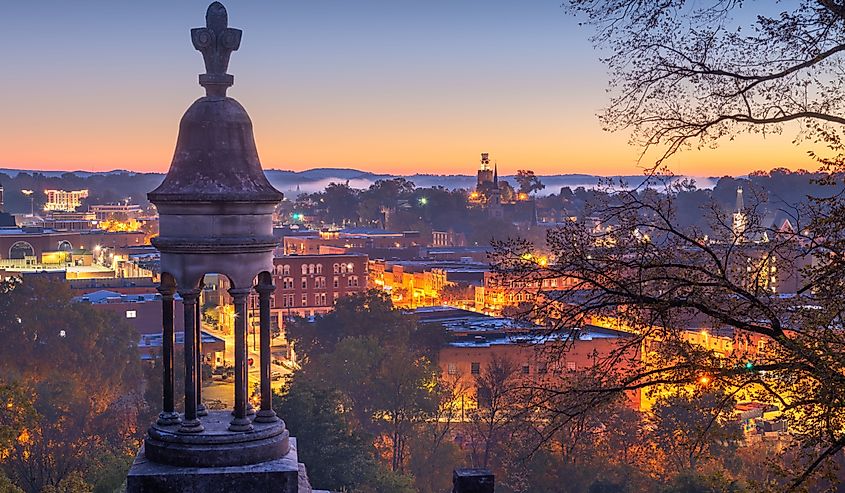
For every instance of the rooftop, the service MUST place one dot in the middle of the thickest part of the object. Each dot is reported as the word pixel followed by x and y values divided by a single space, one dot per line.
pixel 104 296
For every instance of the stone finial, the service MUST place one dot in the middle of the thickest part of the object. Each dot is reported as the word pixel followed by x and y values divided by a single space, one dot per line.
pixel 216 41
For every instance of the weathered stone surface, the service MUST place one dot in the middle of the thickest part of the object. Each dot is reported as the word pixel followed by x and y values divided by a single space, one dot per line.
pixel 276 476
pixel 217 446
pixel 215 158
pixel 472 481
pixel 304 482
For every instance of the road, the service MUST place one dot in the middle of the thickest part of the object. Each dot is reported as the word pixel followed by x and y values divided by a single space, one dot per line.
pixel 224 391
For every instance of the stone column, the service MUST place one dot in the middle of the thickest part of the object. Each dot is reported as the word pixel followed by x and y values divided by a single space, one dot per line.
pixel 266 414
pixel 201 411
pixel 190 424
pixel 168 415
pixel 240 422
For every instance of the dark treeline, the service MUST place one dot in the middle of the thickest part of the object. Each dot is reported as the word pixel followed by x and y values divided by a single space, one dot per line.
pixel 398 204
pixel 103 188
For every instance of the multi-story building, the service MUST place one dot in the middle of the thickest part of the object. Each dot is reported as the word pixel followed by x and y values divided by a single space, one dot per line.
pixel 63 200
pixel 500 291
pixel 309 285
pixel 533 353
pixel 143 313
pixel 358 240
pixel 119 212
pixel 411 284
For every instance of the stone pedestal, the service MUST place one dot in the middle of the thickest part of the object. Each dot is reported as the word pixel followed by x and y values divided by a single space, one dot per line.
pixel 275 476
pixel 473 481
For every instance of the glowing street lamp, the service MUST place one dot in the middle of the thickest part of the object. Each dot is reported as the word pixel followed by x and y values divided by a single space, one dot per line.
pixel 423 201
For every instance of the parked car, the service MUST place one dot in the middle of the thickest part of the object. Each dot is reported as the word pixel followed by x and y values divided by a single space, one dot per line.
pixel 222 373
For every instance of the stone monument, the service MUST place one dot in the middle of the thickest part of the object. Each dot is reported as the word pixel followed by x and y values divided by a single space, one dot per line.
pixel 215 207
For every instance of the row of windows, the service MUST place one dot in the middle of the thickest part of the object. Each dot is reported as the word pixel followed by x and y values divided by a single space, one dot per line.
pixel 320 282
pixel 320 299
pixel 338 268
pixel 475 368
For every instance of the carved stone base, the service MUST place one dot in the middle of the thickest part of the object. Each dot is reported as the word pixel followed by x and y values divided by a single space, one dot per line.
pixel 216 445
pixel 276 476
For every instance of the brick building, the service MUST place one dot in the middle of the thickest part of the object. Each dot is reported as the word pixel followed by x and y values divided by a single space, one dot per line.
pixel 358 240
pixel 308 285
pixel 536 355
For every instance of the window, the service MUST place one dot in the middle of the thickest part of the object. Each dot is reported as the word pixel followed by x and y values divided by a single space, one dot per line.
pixel 304 269
pixel 335 295
pixel 319 268
pixel 336 268
pixel 343 268
pixel 475 368
pixel 542 369
pixel 336 282
pixel 131 314
pixel 526 369
pixel 320 283
pixel 304 283
pixel 287 283
pixel 310 268
pixel 452 369
pixel 304 300
pixel 571 366
pixel 350 268
pixel 352 282
pixel 286 270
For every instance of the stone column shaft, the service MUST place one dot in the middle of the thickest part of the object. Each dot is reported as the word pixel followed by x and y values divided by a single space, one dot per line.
pixel 190 424
pixel 240 422
pixel 168 415
pixel 266 414
pixel 198 337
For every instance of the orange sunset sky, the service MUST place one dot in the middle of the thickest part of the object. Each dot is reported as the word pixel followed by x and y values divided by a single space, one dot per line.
pixel 391 87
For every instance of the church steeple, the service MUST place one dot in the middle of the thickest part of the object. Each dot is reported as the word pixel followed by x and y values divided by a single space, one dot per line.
pixel 496 175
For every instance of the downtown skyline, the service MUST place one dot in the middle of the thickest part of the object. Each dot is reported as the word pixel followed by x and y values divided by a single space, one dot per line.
pixel 377 86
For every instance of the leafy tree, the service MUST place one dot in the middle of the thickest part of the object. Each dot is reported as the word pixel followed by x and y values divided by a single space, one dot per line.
pixel 691 73
pixel 693 430
pixel 7 486
pixel 78 372
pixel 341 202
pixel 496 392
pixel 368 314
pixel 337 453
pixel 433 455
pixel 73 483
pixel 528 181
pixel 383 194
pixel 380 362
pixel 663 281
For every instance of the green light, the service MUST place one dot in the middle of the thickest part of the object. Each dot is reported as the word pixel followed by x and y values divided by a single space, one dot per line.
pixel 297 216
pixel 749 365
pixel 423 200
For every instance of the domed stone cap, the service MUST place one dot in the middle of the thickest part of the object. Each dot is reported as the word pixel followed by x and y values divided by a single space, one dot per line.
pixel 215 158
